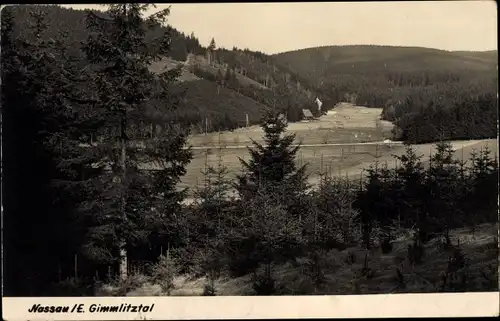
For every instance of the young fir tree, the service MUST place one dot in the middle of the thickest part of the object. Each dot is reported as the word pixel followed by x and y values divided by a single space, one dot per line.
pixel 411 177
pixel 443 182
pixel 211 52
pixel 484 179
pixel 272 167
pixel 334 214
pixel 263 233
pixel 377 202
pixel 130 201
pixel 212 208
pixel 368 202
pixel 213 199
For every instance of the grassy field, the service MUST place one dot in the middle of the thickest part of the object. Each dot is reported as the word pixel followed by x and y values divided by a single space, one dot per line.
pixel 344 124
pixel 344 160
pixel 359 126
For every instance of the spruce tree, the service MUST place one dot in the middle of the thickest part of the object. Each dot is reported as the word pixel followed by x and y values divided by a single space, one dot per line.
pixel 211 51
pixel 442 180
pixel 212 208
pixel 130 202
pixel 272 168
pixel 212 45
pixel 411 178
pixel 484 179
pixel 368 202
pixel 334 217
pixel 213 198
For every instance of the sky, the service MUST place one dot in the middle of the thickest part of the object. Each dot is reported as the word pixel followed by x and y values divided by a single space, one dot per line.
pixel 279 27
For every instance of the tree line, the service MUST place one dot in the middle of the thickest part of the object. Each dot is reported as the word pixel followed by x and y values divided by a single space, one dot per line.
pixel 425 106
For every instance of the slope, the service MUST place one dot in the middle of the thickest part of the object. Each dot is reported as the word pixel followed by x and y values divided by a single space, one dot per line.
pixel 255 83
pixel 208 107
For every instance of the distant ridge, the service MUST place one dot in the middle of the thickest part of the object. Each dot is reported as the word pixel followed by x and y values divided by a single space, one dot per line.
pixel 386 46
pixel 321 63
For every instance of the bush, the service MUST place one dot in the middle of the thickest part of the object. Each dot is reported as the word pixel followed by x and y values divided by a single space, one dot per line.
pixel 164 271
pixel 118 287
pixel 456 276
pixel 314 268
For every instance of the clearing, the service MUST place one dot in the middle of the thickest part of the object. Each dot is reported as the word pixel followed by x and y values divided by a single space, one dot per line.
pixel 345 142
pixel 343 124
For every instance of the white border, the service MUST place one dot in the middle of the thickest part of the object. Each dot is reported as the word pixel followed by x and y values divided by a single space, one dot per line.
pixel 272 307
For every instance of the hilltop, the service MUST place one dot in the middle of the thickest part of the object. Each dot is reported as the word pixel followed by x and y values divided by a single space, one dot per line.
pixel 320 63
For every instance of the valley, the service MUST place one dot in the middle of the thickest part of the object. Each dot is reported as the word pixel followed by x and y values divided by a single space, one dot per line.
pixel 110 114
pixel 344 142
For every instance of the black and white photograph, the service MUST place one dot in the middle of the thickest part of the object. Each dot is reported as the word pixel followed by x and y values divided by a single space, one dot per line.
pixel 249 149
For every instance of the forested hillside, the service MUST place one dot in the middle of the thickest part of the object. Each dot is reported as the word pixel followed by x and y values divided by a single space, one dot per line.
pixel 412 84
pixel 418 87
pixel 256 84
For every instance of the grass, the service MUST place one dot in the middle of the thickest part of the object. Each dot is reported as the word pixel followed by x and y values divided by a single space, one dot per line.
pixel 344 124
pixel 359 125
pixel 342 277
pixel 347 160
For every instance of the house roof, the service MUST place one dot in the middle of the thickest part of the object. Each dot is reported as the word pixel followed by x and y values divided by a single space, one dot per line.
pixel 307 113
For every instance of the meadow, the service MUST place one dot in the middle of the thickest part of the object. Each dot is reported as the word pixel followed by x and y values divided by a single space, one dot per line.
pixel 345 123
pixel 342 143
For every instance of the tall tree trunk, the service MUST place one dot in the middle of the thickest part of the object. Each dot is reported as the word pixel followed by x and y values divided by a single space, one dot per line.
pixel 122 243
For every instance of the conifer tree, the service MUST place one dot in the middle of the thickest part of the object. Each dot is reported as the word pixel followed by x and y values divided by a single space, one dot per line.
pixel 212 45
pixel 411 177
pixel 213 198
pixel 212 209
pixel 484 179
pixel 334 214
pixel 272 168
pixel 369 204
pixel 442 181
pixel 129 201
pixel 211 52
